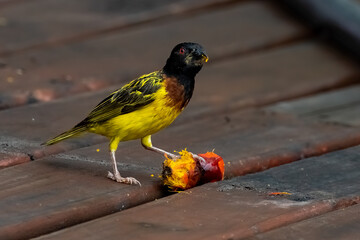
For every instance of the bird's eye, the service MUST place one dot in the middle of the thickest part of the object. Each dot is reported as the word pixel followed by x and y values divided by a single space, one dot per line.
pixel 182 51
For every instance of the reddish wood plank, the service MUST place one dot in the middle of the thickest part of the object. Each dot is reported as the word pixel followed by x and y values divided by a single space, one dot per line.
pixel 52 21
pixel 6 3
pixel 75 195
pixel 329 176
pixel 275 75
pixel 251 141
pixel 340 106
pixel 254 80
pixel 46 74
pixel 340 224
pixel 234 209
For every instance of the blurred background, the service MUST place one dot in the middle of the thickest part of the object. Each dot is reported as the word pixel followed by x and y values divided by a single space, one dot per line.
pixel 50 48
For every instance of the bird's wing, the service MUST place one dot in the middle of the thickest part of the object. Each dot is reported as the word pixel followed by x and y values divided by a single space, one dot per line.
pixel 129 98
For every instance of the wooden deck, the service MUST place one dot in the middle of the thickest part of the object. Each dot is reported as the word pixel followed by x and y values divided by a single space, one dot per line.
pixel 276 101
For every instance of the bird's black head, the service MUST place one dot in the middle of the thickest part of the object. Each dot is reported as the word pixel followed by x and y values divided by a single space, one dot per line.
pixel 186 59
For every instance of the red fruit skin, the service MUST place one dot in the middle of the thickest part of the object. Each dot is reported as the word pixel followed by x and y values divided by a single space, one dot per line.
pixel 213 168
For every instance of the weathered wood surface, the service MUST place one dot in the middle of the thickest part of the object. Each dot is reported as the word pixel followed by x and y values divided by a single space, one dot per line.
pixel 45 74
pixel 238 208
pixel 40 23
pixel 337 21
pixel 340 224
pixel 340 107
pixel 242 85
pixel 249 141
pixel 235 109
pixel 6 3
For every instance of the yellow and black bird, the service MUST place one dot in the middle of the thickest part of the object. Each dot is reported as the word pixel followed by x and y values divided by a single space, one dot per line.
pixel 145 105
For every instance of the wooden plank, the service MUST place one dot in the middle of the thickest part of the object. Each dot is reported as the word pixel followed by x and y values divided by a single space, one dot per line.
pixel 338 19
pixel 5 3
pixel 329 176
pixel 60 191
pixel 240 207
pixel 46 74
pixel 74 196
pixel 340 106
pixel 56 22
pixel 340 224
pixel 251 81
pixel 275 75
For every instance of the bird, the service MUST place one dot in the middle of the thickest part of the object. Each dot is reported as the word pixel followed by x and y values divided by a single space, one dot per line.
pixel 144 106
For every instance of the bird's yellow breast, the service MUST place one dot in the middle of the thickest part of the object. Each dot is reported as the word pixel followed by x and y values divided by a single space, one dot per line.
pixel 145 121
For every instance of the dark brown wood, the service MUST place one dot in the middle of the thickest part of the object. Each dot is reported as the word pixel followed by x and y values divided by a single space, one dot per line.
pixel 328 176
pixel 340 224
pixel 288 72
pixel 57 22
pixel 336 21
pixel 340 107
pixel 242 85
pixel 267 59
pixel 6 3
pixel 249 141
pixel 51 195
pixel 240 207
pixel 46 74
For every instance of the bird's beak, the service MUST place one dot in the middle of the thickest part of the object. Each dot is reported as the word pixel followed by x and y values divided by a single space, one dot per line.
pixel 198 57
pixel 204 57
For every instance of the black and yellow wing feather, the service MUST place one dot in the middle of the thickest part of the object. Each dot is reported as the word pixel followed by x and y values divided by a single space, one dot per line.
pixel 131 97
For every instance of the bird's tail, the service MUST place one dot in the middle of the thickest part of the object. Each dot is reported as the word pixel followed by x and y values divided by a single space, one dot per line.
pixel 75 131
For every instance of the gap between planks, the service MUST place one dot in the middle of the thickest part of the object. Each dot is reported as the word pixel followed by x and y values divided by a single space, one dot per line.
pixel 348 81
pixel 308 212
pixel 141 20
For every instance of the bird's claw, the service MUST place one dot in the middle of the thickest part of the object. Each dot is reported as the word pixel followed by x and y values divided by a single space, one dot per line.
pixel 126 180
pixel 195 156
pixel 172 156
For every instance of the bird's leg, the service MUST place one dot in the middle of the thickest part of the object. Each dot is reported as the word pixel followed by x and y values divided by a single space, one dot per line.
pixel 146 142
pixel 115 175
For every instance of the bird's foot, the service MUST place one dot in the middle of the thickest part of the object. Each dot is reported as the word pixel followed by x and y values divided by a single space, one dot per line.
pixel 195 156
pixel 172 156
pixel 127 180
